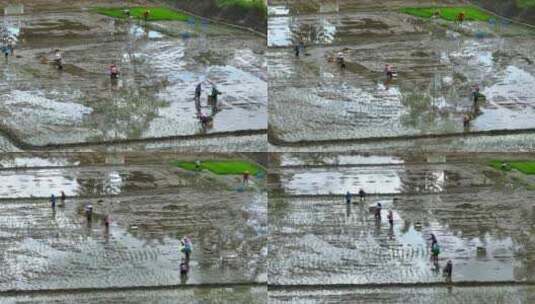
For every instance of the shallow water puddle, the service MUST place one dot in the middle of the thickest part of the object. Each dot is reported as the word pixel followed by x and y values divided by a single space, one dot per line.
pixel 42 183
pixel 141 32
pixel 376 180
pixel 278 10
pixel 18 162
pixel 288 159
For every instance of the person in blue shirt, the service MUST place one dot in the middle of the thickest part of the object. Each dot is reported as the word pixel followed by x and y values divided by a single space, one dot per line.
pixel 53 201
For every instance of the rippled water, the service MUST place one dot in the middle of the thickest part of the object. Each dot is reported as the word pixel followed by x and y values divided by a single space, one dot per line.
pixel 287 159
pixel 85 181
pixel 327 242
pixel 382 179
pixel 312 99
pixel 320 240
pixel 154 95
pixel 46 248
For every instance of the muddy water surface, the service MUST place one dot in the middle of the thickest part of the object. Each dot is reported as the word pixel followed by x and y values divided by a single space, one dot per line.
pixel 47 249
pixel 154 95
pixel 383 179
pixel 438 65
pixel 89 181
pixel 318 239
pixel 326 242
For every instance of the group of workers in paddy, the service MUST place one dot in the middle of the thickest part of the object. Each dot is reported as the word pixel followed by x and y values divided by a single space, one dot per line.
pixel 185 246
pixel 57 61
pixel 434 248
pixel 391 74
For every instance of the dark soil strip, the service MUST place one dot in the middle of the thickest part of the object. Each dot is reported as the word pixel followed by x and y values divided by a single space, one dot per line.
pixel 301 143
pixel 17 292
pixel 399 285
pixel 17 142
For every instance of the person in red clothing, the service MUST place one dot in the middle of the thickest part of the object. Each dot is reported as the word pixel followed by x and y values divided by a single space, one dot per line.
pixel 114 71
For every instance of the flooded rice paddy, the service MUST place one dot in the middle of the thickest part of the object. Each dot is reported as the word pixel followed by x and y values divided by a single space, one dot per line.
pixel 481 217
pixel 86 181
pixel 312 99
pixel 160 65
pixel 151 207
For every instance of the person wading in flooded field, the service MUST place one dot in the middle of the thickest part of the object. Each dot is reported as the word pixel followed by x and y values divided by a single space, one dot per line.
pixel 348 197
pixel 476 95
pixel 114 71
pixel 362 195
pixel 461 17
pixel 198 92
pixel 377 213
pixel 53 201
pixel 435 249
pixel 246 176
pixel 389 71
pixel 448 271
pixel 186 248
pixel 11 47
pixel 146 15
pixel 58 59
pixel 433 239
pixel 213 98
pixel 184 267
pixel 340 60
pixel 89 212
